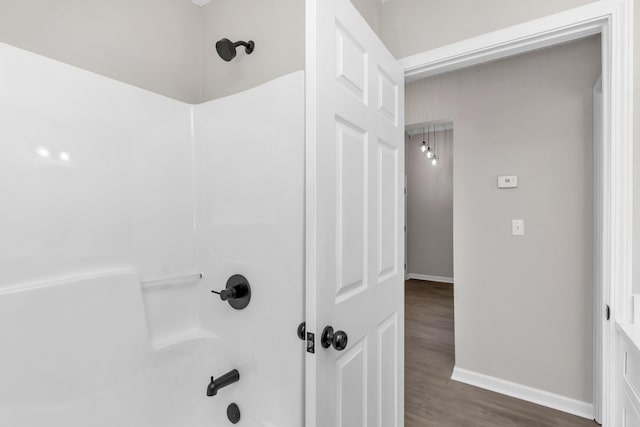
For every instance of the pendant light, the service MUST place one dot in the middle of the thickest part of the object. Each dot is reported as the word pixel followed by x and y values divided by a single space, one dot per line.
pixel 423 146
pixel 429 152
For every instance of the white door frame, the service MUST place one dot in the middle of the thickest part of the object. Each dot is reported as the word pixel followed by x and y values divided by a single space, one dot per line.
pixel 598 298
pixel 613 19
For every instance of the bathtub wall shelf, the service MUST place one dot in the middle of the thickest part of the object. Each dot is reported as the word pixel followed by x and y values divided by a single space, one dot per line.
pixel 170 309
pixel 171 281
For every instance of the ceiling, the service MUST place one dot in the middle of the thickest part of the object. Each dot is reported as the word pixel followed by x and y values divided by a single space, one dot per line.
pixel 204 2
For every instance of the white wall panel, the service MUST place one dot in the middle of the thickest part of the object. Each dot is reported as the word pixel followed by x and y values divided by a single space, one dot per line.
pixel 250 179
pixel 96 178
pixel 93 173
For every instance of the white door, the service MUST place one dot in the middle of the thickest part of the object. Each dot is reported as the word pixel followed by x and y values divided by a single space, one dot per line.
pixel 354 221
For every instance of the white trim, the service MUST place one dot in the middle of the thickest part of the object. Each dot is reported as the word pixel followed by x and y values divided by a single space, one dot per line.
pixel 523 392
pixel 418 128
pixel 200 2
pixel 310 223
pixel 598 280
pixel 537 34
pixel 636 309
pixel 430 278
pixel 613 19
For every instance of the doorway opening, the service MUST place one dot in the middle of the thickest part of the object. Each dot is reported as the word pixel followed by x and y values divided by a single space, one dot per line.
pixel 429 284
pixel 523 221
pixel 429 201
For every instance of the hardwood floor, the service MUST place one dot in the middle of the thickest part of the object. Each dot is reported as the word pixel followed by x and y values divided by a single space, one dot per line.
pixel 431 397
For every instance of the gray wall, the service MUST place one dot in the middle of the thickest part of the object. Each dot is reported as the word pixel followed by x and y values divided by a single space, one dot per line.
pixel 523 304
pixel 153 44
pixel 371 11
pixel 408 27
pixel 276 26
pixel 413 26
pixel 167 46
pixel 430 207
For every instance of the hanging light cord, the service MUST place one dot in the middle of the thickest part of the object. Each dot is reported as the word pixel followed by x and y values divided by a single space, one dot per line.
pixel 434 161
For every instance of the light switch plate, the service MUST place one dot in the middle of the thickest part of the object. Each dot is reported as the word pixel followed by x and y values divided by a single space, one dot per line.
pixel 508 181
pixel 517 227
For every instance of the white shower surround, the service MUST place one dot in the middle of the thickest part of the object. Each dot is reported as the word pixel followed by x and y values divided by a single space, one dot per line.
pixel 99 182
pixel 250 162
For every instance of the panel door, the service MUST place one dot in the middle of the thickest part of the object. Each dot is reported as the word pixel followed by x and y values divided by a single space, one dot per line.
pixel 354 221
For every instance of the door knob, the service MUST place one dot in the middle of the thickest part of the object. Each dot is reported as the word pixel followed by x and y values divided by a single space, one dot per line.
pixel 301 331
pixel 337 339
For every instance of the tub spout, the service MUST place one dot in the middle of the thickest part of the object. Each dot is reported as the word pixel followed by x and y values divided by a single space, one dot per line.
pixel 223 381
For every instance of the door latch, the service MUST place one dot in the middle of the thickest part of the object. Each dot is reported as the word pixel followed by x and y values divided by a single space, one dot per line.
pixel 310 337
pixel 311 342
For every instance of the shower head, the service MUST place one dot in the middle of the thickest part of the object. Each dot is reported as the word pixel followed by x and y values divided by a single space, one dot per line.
pixel 227 49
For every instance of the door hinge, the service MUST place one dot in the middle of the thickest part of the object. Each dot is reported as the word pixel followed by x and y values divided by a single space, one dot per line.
pixel 608 312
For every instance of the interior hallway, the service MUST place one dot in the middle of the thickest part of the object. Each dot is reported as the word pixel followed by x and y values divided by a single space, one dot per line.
pixel 431 397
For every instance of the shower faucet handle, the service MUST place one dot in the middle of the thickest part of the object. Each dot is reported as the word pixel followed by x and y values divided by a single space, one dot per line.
pixel 227 294
pixel 237 292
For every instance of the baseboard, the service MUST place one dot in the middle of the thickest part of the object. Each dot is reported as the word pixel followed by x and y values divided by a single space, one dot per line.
pixel 523 392
pixel 440 279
